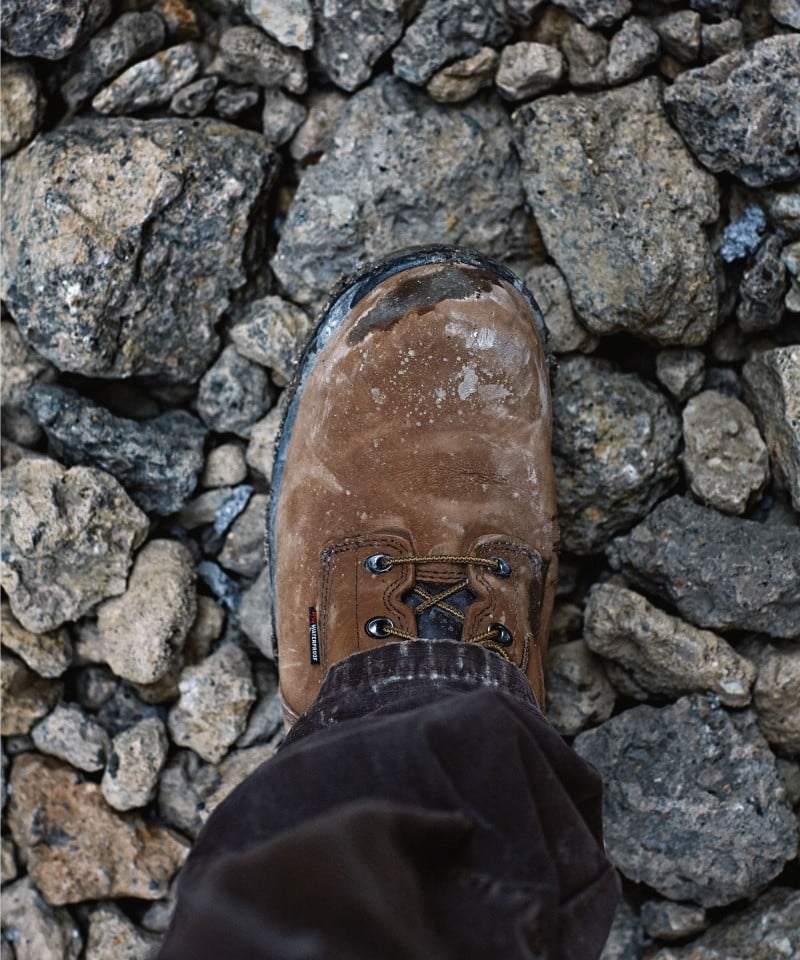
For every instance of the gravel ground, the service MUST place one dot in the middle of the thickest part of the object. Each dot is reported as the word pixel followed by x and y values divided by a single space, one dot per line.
pixel 184 182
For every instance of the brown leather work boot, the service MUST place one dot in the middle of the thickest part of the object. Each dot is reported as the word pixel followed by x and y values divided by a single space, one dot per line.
pixel 413 483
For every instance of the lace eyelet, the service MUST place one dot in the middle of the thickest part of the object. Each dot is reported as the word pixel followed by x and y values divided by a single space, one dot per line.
pixel 376 627
pixel 378 563
pixel 503 637
pixel 501 567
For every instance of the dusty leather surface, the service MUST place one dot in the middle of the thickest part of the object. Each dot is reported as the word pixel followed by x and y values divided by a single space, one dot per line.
pixel 423 428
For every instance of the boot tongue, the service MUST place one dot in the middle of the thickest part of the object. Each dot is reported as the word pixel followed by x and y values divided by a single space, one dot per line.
pixel 436 623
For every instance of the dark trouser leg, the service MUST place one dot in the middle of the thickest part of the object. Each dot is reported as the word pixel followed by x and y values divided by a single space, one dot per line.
pixel 422 808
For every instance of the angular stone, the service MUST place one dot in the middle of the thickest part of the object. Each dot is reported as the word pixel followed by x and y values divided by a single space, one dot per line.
pixel 150 82
pixel 26 697
pixel 183 786
pixel 266 717
pixel 448 30
pixel 22 106
pixel 762 289
pixel 564 331
pixel 225 466
pixel 215 699
pixel 615 444
pixel 352 35
pixel 724 457
pixel 73 736
pixel 8 859
pixel 49 28
pixel 156 460
pixel 738 114
pixel 233 770
pixel 69 535
pixel 290 22
pixel 584 159
pixel 772 389
pixel 87 235
pixel 234 393
pixel 680 371
pixel 655 653
pixel 280 117
pixel 720 38
pixel 314 134
pixel 250 56
pixel 680 34
pixel 134 763
pixel 255 614
pixel 768 928
pixel 786 12
pixel 633 47
pixel 587 55
pixel 243 550
pixel 76 847
pixel 625 939
pixel 261 449
pixel 232 102
pixel 461 80
pixel 665 920
pixel 528 69
pixel 205 508
pixel 693 806
pixel 131 37
pixel 718 571
pixel 597 13
pixel 273 333
pixel 790 257
pixel 49 654
pixel 112 936
pixel 191 100
pixel 776 695
pixel 37 930
pixel 359 201
pixel 578 692
pixel 22 368
pixel 143 631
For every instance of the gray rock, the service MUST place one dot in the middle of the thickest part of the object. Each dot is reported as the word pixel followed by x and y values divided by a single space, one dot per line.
pixel 776 695
pixel 8 858
pixel 150 82
pixel 233 394
pixel 22 106
pixel 112 936
pixel 655 653
pixel 718 571
pixel 578 692
pixel 124 709
pixel 231 102
pixel 273 333
pixel 767 928
pixel 192 100
pixel 625 939
pixel 632 48
pixel 359 201
pixel 724 457
pixel 790 256
pixel 215 700
pixel 158 916
pixel 772 389
pixel 597 13
pixel 71 735
pixel 225 466
pixel 693 806
pixel 119 856
pixel 250 56
pixel 564 331
pixel 665 920
pixel 243 549
pixel 95 685
pixel 786 12
pixel 738 113
pixel 717 9
pixel 762 288
pixel 615 445
pixel 600 197
pixel 315 132
pixel 225 588
pixel 49 28
pixel 87 236
pixel 157 460
pixel 131 37
pixel 743 236
pixel 134 763
pixel 462 79
pixel 261 449
pixel 183 786
pixel 22 368
pixel 204 509
pixel 69 535
pixel 232 771
pixel 37 930
pixel 49 654
pixel 680 34
pixel 587 54
pixel 142 632
pixel 680 371
pixel 528 69
pixel 281 117
pixel 290 22
pixel 717 39
pixel 27 697
pixel 266 717
pixel 447 30
pixel 352 35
